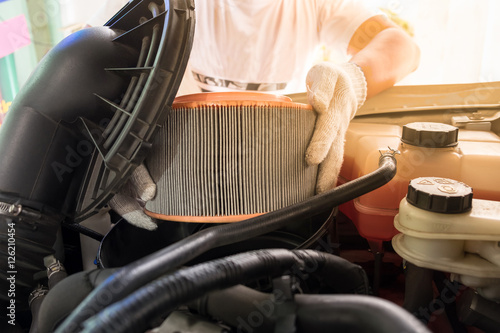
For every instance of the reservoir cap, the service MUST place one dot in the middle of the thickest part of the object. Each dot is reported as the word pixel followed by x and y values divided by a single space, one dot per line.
pixel 430 135
pixel 440 195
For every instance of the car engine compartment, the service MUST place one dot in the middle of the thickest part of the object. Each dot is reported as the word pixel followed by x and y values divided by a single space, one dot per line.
pixel 423 193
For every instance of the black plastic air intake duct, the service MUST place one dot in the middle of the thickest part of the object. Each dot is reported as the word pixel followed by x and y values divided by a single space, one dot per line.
pixel 81 124
pixel 41 146
pixel 41 151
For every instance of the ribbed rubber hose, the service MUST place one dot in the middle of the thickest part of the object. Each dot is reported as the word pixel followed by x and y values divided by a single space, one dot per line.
pixel 141 272
pixel 135 312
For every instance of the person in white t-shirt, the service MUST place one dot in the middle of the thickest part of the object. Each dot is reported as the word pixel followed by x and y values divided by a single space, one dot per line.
pixel 269 45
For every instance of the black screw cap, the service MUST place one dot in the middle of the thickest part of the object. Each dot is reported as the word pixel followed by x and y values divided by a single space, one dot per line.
pixel 440 195
pixel 430 135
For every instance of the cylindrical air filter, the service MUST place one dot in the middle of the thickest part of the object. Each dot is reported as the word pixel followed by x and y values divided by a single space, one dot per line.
pixel 225 157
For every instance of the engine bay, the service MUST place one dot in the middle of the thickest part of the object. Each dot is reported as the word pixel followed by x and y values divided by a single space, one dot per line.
pixel 408 240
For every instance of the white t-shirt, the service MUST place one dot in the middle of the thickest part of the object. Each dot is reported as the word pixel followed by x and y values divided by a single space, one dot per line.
pixel 265 45
pixel 268 44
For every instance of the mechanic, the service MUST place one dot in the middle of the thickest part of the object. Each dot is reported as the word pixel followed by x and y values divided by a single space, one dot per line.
pixel 269 45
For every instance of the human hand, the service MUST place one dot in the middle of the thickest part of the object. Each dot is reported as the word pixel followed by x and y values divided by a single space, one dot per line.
pixel 335 92
pixel 129 201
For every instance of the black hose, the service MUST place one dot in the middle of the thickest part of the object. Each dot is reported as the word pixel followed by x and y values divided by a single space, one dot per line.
pixel 353 313
pixel 232 304
pixel 419 291
pixel 84 231
pixel 238 307
pixel 35 301
pixel 248 310
pixel 65 296
pixel 135 312
pixel 142 271
pixel 55 274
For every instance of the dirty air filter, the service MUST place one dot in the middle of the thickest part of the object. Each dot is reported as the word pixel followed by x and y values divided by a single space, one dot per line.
pixel 225 157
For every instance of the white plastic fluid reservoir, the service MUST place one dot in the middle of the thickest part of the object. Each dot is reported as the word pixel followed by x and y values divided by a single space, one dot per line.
pixel 426 149
pixel 443 228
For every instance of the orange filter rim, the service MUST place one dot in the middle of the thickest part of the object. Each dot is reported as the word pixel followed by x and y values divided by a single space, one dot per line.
pixel 201 219
pixel 235 98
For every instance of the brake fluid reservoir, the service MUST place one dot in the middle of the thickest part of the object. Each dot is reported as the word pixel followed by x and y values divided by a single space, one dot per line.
pixel 442 227
pixel 426 149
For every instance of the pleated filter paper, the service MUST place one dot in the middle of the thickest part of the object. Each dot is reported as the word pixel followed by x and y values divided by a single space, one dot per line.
pixel 231 161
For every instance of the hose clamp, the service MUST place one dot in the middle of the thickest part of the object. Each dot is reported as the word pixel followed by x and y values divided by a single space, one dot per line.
pixel 55 268
pixel 391 152
pixel 40 291
pixel 53 265
pixel 10 209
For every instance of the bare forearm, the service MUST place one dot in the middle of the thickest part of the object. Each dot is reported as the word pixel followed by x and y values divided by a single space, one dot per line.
pixel 386 59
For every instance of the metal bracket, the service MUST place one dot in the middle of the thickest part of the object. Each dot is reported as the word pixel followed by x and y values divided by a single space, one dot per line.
pixel 474 118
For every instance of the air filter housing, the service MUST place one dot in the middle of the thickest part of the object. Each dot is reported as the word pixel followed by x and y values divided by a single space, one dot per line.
pixel 225 157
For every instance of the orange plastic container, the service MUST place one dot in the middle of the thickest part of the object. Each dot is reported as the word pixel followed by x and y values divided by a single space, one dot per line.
pixel 473 158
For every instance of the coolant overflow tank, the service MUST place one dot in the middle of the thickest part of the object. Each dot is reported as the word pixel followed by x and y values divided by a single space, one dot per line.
pixel 428 149
pixel 443 228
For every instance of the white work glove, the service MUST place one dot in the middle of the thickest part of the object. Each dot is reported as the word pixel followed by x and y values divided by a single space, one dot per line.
pixel 335 92
pixel 129 201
